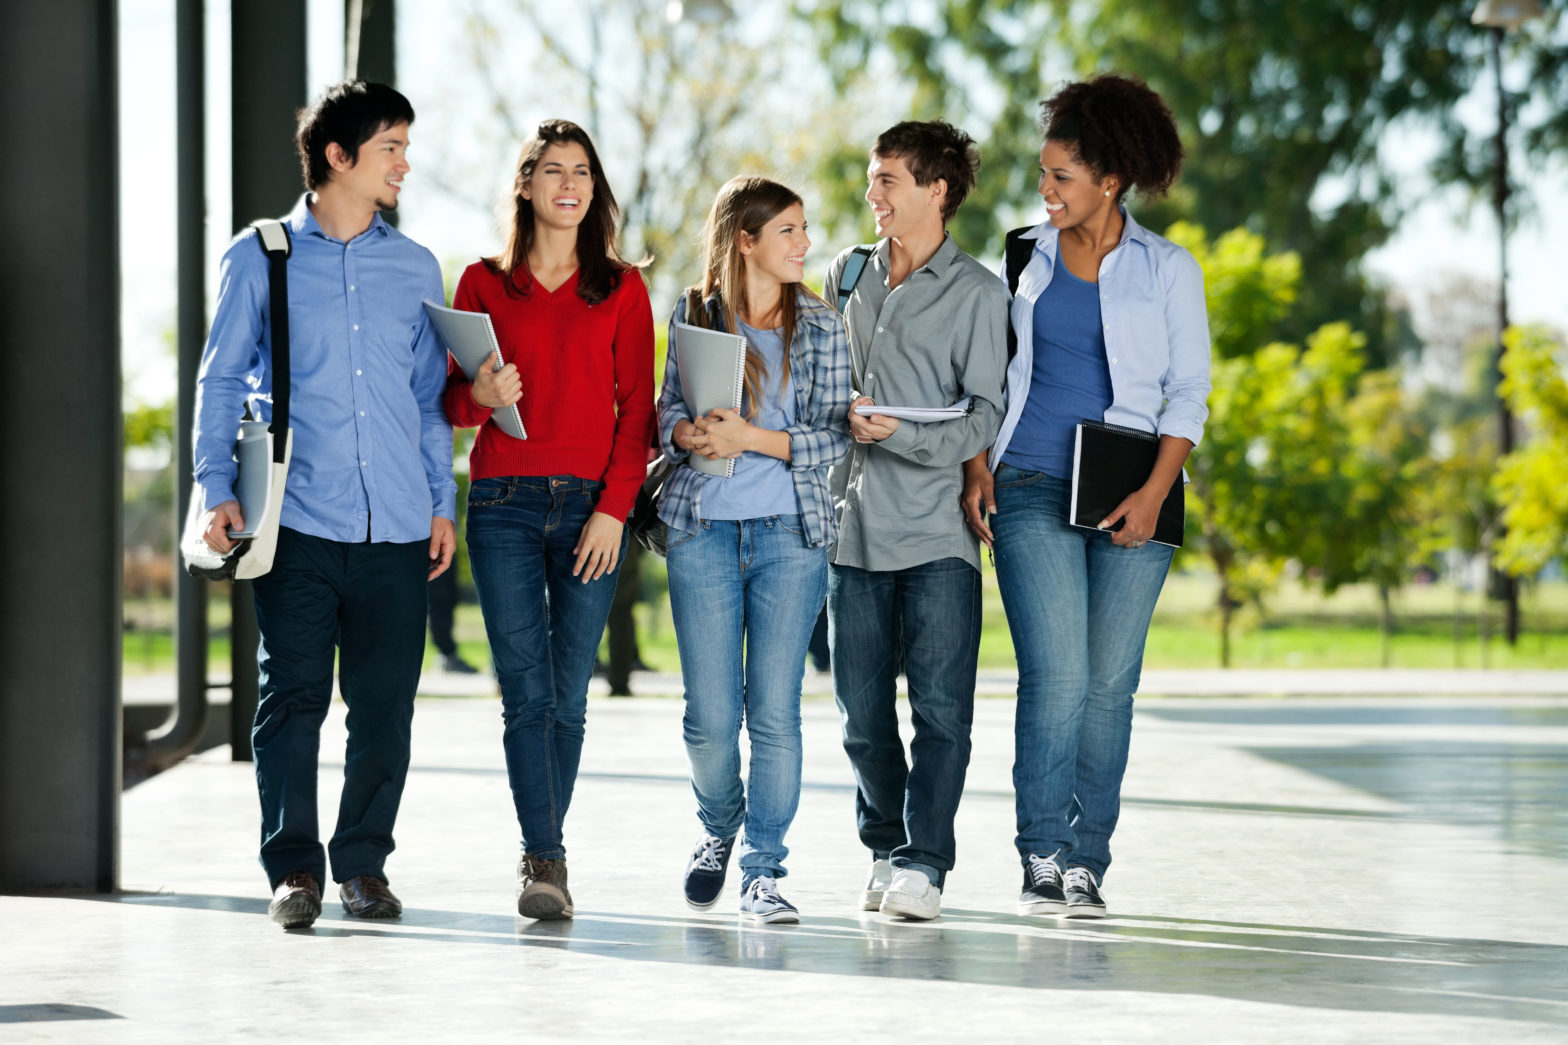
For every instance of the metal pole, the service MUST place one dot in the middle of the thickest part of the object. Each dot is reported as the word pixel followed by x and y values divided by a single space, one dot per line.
pixel 60 429
pixel 269 74
pixel 181 735
pixel 1505 585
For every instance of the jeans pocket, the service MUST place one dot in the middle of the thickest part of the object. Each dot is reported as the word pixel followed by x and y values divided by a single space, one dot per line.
pixel 1016 477
pixel 483 492
pixel 792 524
pixel 676 537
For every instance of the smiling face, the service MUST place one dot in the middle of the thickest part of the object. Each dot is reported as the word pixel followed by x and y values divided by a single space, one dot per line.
pixel 376 175
pixel 899 205
pixel 561 187
pixel 1070 190
pixel 778 251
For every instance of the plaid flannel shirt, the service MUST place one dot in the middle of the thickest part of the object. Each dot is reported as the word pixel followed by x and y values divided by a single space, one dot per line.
pixel 819 438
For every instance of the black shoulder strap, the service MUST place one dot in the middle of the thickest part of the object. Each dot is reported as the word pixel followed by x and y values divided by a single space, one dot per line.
pixel 1018 250
pixel 854 268
pixel 273 238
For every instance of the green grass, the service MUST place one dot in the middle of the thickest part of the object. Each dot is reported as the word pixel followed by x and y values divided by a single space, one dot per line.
pixel 1302 629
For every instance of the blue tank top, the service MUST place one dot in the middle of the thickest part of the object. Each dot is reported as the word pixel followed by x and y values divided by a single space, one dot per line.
pixel 761 485
pixel 1070 380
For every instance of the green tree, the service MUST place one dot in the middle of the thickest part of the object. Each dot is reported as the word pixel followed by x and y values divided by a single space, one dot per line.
pixel 1529 481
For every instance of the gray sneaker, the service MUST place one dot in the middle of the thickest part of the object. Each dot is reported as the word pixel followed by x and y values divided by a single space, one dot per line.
pixel 1083 894
pixel 541 888
pixel 761 903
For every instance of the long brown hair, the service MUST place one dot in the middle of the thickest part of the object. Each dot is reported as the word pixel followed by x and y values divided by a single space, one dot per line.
pixel 599 262
pixel 744 204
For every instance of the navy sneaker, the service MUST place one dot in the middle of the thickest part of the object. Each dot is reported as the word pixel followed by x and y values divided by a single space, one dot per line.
pixel 761 903
pixel 1083 894
pixel 705 871
pixel 1042 893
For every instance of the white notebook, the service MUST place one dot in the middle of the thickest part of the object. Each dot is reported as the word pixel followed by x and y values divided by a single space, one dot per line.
pixel 713 375
pixel 917 413
pixel 470 337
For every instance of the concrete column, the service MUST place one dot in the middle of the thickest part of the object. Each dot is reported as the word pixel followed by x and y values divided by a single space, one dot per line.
pixel 60 436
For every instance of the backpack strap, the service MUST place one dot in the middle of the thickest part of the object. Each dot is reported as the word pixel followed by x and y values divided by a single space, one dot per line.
pixel 854 268
pixel 1016 252
pixel 273 238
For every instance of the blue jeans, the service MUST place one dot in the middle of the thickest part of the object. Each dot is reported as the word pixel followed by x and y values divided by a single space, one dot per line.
pixel 744 597
pixel 366 603
pixel 927 619
pixel 1078 607
pixel 544 627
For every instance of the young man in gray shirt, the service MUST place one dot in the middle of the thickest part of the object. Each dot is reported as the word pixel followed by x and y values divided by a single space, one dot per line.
pixel 927 327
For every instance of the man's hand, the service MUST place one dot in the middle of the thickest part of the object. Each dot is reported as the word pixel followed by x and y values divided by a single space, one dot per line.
pixel 219 521
pixel 443 542
pixel 872 429
pixel 496 388
pixel 598 547
pixel 979 497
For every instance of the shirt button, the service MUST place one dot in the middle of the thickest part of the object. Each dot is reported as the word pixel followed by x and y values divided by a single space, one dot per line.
pixel 357 373
pixel 362 413
pixel 879 330
pixel 356 326
pixel 364 464
pixel 352 287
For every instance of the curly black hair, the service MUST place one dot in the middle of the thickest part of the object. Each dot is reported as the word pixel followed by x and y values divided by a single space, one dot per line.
pixel 1116 125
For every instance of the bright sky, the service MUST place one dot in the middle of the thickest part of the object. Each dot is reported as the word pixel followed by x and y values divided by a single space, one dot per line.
pixel 1442 236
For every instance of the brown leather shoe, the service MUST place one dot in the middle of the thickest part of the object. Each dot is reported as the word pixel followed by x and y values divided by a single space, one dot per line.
pixel 296 903
pixel 366 896
pixel 541 888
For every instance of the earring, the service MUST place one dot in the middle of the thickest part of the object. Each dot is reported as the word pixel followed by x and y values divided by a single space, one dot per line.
pixel 1107 192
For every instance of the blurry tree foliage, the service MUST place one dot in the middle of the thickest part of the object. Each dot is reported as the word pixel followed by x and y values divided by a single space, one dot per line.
pixel 1283 108
pixel 1530 481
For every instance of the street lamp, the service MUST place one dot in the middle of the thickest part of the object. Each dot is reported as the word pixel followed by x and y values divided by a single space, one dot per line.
pixel 1503 17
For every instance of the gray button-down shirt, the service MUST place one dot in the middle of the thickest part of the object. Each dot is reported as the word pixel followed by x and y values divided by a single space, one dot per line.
pixel 939 336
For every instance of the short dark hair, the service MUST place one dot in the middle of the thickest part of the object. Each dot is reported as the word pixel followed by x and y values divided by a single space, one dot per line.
pixel 933 149
pixel 349 113
pixel 1116 125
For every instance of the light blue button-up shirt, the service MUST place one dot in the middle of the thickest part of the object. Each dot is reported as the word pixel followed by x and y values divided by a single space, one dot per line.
pixel 1156 334
pixel 372 452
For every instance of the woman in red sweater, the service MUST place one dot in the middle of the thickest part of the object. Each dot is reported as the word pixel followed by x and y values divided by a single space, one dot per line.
pixel 547 514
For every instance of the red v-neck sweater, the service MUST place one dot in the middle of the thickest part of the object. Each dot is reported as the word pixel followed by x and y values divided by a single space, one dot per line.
pixel 587 375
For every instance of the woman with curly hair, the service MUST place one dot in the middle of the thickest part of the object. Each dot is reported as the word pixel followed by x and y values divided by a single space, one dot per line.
pixel 1110 325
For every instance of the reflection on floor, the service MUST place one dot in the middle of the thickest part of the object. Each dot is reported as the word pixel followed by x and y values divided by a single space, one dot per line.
pixel 1286 870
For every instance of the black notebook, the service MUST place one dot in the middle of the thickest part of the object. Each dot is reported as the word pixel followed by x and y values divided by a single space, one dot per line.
pixel 1110 462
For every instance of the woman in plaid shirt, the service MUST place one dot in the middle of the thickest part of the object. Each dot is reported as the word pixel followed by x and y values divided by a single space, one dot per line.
pixel 748 566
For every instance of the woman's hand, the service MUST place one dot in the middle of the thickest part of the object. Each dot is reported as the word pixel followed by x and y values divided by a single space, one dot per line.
pixel 598 547
pixel 979 496
pixel 692 439
pixel 728 434
pixel 496 388
pixel 1141 510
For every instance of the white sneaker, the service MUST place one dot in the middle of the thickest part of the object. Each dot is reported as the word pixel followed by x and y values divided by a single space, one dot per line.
pixel 911 895
pixel 761 903
pixel 876 884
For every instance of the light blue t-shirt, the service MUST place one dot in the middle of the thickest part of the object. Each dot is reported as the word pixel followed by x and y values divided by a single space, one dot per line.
pixel 761 485
pixel 1071 380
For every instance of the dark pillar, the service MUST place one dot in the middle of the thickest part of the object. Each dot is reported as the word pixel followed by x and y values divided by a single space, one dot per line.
pixel 377 56
pixel 268 47
pixel 60 448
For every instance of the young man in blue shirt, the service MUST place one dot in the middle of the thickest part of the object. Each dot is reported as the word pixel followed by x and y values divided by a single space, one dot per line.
pixel 927 327
pixel 367 515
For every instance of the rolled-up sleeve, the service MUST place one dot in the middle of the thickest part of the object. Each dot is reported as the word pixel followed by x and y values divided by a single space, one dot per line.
pixel 1186 383
pixel 231 367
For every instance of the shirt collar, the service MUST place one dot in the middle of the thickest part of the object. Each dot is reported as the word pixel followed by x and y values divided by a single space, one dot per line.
pixel 1045 234
pixel 302 222
pixel 939 263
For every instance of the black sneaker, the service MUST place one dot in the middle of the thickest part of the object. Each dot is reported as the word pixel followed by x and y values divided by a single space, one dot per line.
pixel 706 869
pixel 1042 892
pixel 1083 894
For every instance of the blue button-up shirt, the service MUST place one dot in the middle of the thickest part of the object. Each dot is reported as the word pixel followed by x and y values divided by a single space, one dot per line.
pixel 372 452
pixel 1156 326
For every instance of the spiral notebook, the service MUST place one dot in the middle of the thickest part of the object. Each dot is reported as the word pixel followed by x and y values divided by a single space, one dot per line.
pixel 1110 462
pixel 713 375
pixel 470 337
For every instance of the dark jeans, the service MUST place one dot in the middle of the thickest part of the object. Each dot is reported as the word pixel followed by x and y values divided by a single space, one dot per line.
pixel 443 607
pixel 367 601
pixel 544 626
pixel 928 616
